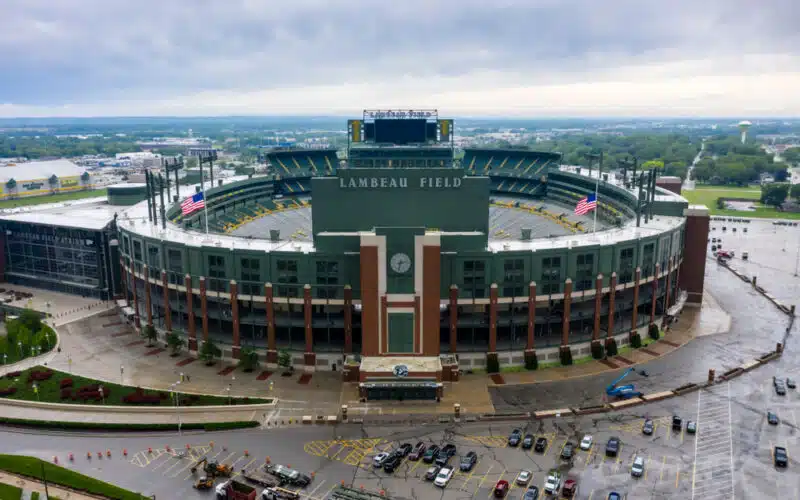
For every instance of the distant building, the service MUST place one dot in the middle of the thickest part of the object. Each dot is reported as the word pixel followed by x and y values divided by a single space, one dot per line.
pixel 35 178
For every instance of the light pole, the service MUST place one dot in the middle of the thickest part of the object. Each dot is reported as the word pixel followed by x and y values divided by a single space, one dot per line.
pixel 176 399
pixel 121 372
pixel 102 396
pixel 36 390
pixel 69 362
pixel 19 345
pixel 229 394
pixel 5 358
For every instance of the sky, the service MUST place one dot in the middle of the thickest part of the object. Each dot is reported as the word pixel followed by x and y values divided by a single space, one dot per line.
pixel 534 58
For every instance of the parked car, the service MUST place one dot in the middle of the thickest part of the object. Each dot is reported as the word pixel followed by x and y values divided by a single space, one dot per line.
pixel 501 488
pixel 430 454
pixel 691 427
pixel 637 468
pixel 444 455
pixel 419 450
pixel 780 457
pixel 541 445
pixel 569 489
pixel 468 461
pixel 524 477
pixel 404 449
pixel 379 459
pixel 612 447
pixel 790 383
pixel 568 451
pixel 648 427
pixel 532 493
pixel 780 386
pixel 586 442
pixel 392 463
pixel 677 423
pixel 553 483
pixel 515 437
pixel 432 472
pixel 614 496
pixel 527 441
pixel 772 418
pixel 443 477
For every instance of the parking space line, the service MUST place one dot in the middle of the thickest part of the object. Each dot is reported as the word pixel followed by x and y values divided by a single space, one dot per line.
pixel 480 484
pixel 175 464
pixel 310 494
pixel 491 490
pixel 165 462
pixel 663 464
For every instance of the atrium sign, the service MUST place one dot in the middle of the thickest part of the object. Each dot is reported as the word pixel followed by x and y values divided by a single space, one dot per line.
pixel 399 182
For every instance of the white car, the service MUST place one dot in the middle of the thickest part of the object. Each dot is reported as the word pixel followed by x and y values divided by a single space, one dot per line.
pixel 524 477
pixel 444 477
pixel 553 483
pixel 637 469
pixel 379 459
pixel 586 442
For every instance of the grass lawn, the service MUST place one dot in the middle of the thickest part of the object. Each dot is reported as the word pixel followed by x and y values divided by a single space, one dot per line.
pixel 33 468
pixel 53 198
pixel 50 392
pixel 707 195
pixel 8 492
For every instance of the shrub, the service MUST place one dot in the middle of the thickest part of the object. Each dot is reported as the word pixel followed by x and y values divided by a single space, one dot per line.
pixel 597 350
pixel 653 331
pixel 566 356
pixel 531 361
pixel 39 376
pixel 611 347
pixel 67 382
pixel 13 374
pixel 492 364
pixel 636 340
pixel 66 393
pixel 8 391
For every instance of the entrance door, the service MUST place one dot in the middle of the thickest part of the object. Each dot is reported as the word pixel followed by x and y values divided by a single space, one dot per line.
pixel 401 332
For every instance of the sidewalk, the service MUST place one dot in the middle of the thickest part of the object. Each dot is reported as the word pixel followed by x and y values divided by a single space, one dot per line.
pixel 30 485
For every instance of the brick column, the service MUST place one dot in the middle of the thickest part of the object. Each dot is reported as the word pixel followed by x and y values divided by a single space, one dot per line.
pixel 492 353
pixel 167 308
pixel 272 349
pixel 453 318
pixel 237 347
pixel 348 319
pixel 204 307
pixel 612 296
pixel 530 343
pixel 655 294
pixel 124 278
pixel 187 283
pixel 148 301
pixel 309 356
pixel 137 318
pixel 598 305
pixel 695 241
pixel 567 312
pixel 668 290
pixel 635 315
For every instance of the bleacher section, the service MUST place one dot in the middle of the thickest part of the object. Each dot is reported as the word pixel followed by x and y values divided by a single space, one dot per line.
pixel 303 162
pixel 513 171
pixel 615 205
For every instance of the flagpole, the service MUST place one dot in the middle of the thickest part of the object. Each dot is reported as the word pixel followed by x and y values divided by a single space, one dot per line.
pixel 596 190
pixel 205 211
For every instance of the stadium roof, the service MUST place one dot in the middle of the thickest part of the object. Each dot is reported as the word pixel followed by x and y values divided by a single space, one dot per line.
pixel 92 214
pixel 40 170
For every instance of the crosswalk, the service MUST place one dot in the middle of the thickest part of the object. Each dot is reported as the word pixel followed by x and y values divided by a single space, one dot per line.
pixel 713 469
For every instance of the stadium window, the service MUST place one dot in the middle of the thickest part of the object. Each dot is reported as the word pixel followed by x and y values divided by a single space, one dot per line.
pixel 154 262
pixel 664 252
pixel 327 279
pixel 648 259
pixel 626 265
pixel 175 266
pixel 513 277
pixel 216 271
pixel 551 275
pixel 287 274
pixel 137 256
pixel 126 245
pixel 584 272
pixel 251 276
pixel 475 278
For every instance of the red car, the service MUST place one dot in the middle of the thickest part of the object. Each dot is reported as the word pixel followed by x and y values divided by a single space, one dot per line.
pixel 569 489
pixel 501 488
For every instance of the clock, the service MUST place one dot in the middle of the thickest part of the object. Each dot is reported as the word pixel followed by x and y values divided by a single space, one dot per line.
pixel 400 263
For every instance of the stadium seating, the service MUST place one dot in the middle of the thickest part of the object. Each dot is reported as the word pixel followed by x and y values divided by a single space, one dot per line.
pixel 303 162
pixel 512 171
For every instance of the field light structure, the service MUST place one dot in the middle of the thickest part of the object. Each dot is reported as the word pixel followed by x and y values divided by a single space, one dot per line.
pixel 744 125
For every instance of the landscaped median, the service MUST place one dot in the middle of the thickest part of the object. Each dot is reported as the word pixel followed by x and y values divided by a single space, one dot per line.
pixel 45 385
pixel 35 469
pixel 100 426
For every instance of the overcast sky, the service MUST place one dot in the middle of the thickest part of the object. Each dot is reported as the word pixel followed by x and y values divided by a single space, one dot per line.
pixel 533 58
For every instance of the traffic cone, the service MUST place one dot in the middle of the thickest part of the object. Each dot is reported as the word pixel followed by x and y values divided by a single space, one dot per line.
pixel 55 460
pixel 150 450
pixel 108 453
pixel 246 453
pixel 267 460
pixel 188 447
pixel 168 448
pixel 124 452
pixel 99 454
pixel 89 455
pixel 71 457
pixel 383 493
pixel 211 444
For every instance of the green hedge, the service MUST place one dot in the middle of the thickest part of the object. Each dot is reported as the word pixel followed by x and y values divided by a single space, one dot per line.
pixel 33 467
pixel 35 496
pixel 47 424
pixel 8 492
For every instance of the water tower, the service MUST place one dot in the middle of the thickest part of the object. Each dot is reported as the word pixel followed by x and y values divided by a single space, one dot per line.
pixel 743 126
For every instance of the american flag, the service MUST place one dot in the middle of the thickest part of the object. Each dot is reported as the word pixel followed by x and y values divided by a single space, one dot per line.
pixel 586 205
pixel 193 203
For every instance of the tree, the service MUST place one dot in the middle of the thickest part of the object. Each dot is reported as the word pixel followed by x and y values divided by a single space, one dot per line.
pixel 653 164
pixel 209 352
pixel 791 156
pixel 175 342
pixel 284 358
pixel 774 194
pixel 795 191
pixel 248 359
pixel 53 182
pixel 150 334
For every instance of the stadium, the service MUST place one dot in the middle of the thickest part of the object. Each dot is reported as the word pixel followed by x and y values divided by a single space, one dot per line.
pixel 400 265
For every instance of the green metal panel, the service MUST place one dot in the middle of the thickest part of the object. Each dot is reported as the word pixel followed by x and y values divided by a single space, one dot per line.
pixel 401 332
pixel 399 240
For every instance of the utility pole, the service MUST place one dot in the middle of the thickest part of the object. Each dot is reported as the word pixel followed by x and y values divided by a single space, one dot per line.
pixel 163 208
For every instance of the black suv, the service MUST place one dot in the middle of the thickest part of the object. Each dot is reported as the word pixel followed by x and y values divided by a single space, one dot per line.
pixel 403 450
pixel 612 447
pixel 567 451
pixel 527 442
pixel 430 454
pixel 515 437
pixel 677 423
pixel 468 461
pixel 780 457
pixel 392 463
pixel 445 453
pixel 541 445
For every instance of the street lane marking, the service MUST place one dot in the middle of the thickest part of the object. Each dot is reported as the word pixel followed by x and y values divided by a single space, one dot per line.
pixel 663 464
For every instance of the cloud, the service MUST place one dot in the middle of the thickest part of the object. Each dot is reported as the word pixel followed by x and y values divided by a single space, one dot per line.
pixel 91 57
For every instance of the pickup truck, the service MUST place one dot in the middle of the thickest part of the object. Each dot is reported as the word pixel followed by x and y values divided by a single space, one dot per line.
pixel 234 490
pixel 276 493
pixel 261 477
pixel 288 476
